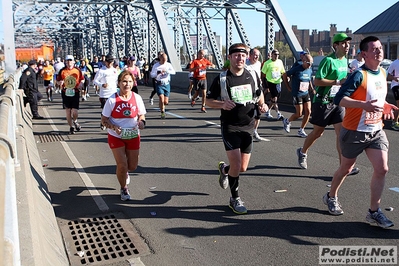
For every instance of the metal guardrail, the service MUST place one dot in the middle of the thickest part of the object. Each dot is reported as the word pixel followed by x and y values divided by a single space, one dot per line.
pixel 9 245
pixel 2 72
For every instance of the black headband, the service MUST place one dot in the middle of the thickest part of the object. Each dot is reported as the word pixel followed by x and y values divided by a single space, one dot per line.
pixel 238 50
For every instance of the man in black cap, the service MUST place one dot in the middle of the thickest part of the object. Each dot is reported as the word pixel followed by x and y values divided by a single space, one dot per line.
pixel 28 83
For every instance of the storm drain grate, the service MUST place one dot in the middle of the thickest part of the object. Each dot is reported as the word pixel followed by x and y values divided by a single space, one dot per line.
pixel 53 137
pixel 103 239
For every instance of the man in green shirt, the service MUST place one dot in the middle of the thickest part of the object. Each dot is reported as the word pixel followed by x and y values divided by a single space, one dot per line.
pixel 273 69
pixel 331 73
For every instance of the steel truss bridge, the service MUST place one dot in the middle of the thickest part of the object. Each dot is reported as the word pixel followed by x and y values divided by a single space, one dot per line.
pixel 86 28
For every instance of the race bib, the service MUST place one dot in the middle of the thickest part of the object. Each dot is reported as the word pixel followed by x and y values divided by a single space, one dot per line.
pixel 276 74
pixel 70 82
pixel 70 92
pixel 334 89
pixel 241 94
pixel 202 72
pixel 373 118
pixel 129 133
pixel 303 86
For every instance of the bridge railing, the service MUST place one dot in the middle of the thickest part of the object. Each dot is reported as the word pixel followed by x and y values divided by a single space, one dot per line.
pixel 10 250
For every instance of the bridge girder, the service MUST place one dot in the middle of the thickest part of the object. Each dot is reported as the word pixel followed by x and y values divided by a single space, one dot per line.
pixel 86 28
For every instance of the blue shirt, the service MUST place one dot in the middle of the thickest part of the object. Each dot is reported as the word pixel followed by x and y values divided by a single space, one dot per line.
pixel 298 74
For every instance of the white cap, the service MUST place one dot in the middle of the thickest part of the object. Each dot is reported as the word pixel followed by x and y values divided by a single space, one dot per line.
pixel 68 57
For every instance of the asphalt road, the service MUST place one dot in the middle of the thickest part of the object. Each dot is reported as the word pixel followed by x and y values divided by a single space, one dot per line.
pixel 177 205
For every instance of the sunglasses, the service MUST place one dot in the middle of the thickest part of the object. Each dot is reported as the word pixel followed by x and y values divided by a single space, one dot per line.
pixel 276 54
pixel 69 60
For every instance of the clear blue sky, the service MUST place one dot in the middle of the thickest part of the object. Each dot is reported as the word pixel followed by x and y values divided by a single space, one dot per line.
pixel 318 14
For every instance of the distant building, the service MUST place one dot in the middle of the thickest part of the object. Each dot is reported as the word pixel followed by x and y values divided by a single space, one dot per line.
pixel 320 41
pixel 385 26
pixel 43 52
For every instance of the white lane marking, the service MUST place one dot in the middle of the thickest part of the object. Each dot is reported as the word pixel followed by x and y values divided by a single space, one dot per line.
pixel 207 122
pixel 50 120
pixel 396 189
pixel 83 175
pixel 212 123
pixel 85 178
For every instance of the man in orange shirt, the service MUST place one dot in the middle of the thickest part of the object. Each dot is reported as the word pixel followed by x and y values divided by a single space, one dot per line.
pixel 71 81
pixel 48 73
pixel 199 66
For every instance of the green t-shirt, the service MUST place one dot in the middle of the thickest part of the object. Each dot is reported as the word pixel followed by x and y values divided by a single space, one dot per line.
pixel 330 68
pixel 273 70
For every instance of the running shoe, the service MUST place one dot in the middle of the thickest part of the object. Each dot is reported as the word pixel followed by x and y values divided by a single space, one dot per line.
pixel 71 130
pixel 203 109
pixel 163 115
pixel 189 95
pixel 379 219
pixel 354 171
pixel 237 205
pixel 302 159
pixel 334 207
pixel 280 116
pixel 102 127
pixel 395 126
pixel 302 133
pixel 77 126
pixel 192 103
pixel 286 125
pixel 125 195
pixel 268 115
pixel 151 101
pixel 197 98
pixel 256 136
pixel 223 178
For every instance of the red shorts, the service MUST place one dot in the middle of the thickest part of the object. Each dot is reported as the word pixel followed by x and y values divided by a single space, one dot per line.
pixel 129 144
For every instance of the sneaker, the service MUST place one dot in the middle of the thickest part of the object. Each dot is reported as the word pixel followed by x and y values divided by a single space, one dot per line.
pixel 378 218
pixel 151 101
pixel 256 136
pixel 163 115
pixel 77 126
pixel 354 171
pixel 237 205
pixel 268 115
pixel 189 95
pixel 71 130
pixel 48 99
pixel 83 99
pixel 197 98
pixel 102 127
pixel 302 133
pixel 223 178
pixel 203 109
pixel 302 159
pixel 280 116
pixel 87 95
pixel 395 126
pixel 125 195
pixel 127 178
pixel 192 103
pixel 286 125
pixel 334 207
